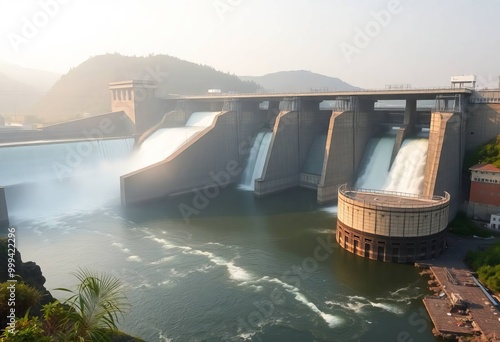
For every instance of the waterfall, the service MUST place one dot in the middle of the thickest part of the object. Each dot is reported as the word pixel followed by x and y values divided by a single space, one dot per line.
pixel 58 160
pixel 315 157
pixel 165 141
pixel 59 177
pixel 256 161
pixel 375 164
pixel 407 171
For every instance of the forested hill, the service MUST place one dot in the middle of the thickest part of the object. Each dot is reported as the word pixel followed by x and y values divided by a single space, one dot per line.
pixel 84 89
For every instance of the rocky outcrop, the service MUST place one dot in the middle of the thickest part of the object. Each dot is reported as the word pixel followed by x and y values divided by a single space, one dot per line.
pixel 28 272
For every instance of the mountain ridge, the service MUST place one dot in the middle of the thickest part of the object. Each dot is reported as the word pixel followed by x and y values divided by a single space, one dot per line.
pixel 299 81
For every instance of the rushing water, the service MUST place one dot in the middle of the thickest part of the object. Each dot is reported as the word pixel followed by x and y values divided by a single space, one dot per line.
pixel 165 141
pixel 244 268
pixel 376 163
pixel 256 160
pixel 407 171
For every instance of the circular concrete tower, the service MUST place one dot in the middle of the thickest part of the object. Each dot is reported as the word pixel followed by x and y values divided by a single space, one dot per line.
pixel 391 226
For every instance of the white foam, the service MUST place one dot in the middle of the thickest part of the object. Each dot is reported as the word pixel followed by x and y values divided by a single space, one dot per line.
pixel 324 231
pixel 235 272
pixel 357 303
pixel 134 258
pixel 163 260
pixel 408 169
pixel 331 320
pixel 331 210
pixel 121 247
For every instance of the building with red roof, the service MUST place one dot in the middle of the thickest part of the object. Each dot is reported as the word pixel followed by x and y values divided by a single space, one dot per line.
pixel 484 196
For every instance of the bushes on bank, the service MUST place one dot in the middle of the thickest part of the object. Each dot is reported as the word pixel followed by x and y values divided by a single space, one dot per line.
pixel 486 154
pixel 90 314
pixel 487 265
pixel 462 226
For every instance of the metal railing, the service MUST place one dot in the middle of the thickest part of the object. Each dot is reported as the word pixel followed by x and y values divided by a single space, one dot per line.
pixel 344 190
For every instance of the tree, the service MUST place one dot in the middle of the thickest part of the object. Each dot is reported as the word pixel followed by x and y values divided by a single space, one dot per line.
pixel 95 306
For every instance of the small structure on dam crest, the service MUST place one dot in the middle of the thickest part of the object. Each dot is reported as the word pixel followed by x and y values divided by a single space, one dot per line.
pixel 391 226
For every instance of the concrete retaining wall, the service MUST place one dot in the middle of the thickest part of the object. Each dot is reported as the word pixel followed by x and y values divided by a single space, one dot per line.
pixel 481 211
pixel 175 118
pixel 116 124
pixel 339 166
pixel 201 163
pixel 111 124
pixel 410 118
pixel 444 158
pixel 348 135
pixel 281 170
pixel 483 124
pixel 250 121
pixel 4 216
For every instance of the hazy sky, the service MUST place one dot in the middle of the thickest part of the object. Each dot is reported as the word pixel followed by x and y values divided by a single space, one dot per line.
pixel 368 43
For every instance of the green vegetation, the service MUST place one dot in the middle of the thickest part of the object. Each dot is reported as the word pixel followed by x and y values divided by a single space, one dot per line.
pixel 487 265
pixel 26 297
pixel 85 88
pixel 462 226
pixel 486 154
pixel 89 314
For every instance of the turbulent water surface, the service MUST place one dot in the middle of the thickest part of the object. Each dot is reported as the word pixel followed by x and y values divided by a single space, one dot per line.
pixel 243 269
pixel 240 268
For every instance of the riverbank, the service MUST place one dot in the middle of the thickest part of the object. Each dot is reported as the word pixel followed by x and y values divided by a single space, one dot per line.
pixel 461 307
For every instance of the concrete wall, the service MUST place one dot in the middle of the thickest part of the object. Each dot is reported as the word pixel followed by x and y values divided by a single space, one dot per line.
pixel 137 99
pixel 339 165
pixel 175 118
pixel 410 118
pixel 481 211
pixel 115 124
pixel 483 124
pixel 312 122
pixel 443 168
pixel 348 136
pixel 395 221
pixel 4 216
pixel 194 166
pixel 281 170
pixel 250 121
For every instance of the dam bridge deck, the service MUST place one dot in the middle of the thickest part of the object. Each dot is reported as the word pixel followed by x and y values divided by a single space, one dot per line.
pixel 392 94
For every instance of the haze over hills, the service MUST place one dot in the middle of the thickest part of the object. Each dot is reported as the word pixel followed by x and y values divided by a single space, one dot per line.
pixel 16 97
pixel 21 88
pixel 299 81
pixel 41 80
pixel 84 89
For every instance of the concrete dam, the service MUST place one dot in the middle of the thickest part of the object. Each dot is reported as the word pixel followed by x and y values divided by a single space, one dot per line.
pixel 324 142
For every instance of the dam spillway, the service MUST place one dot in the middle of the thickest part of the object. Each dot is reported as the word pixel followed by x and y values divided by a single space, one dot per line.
pixel 62 176
pixel 256 160
pixel 165 141
pixel 349 122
